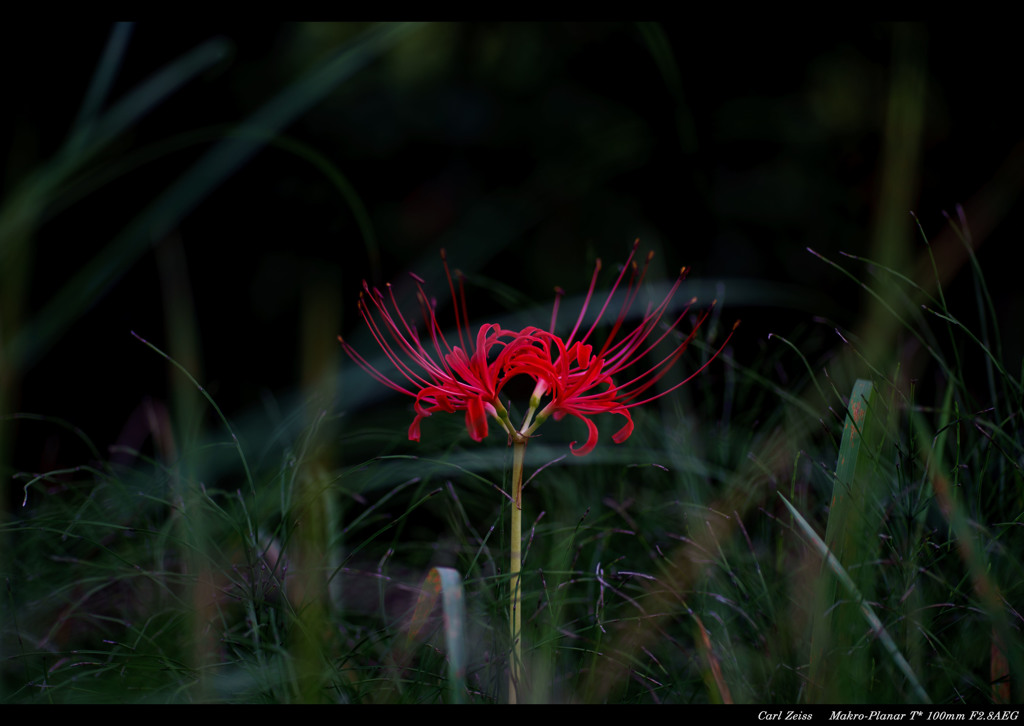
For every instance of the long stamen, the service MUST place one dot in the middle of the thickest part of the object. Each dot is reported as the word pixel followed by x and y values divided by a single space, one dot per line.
pixel 554 312
pixel 610 294
pixel 415 379
pixel 455 300
pixel 586 302
pixel 628 345
pixel 635 282
pixel 693 375
pixel 396 332
pixel 462 303
pixel 373 372
pixel 662 367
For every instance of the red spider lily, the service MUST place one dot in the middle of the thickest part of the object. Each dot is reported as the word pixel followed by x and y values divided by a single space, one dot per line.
pixel 578 381
pixel 464 377
pixel 582 383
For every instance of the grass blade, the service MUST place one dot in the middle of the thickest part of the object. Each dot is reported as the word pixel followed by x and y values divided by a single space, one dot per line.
pixel 854 519
pixel 191 188
pixel 865 607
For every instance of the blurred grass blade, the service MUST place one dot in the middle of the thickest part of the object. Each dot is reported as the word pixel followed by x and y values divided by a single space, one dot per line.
pixel 224 419
pixel 21 211
pixel 869 614
pixel 447 583
pixel 855 453
pixel 714 681
pixel 1004 661
pixel 102 80
pixel 192 187
pixel 90 137
pixel 854 520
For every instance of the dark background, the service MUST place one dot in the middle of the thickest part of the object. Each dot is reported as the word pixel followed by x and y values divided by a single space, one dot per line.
pixel 526 150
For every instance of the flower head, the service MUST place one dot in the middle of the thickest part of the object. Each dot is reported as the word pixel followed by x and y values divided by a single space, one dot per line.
pixel 582 382
pixel 570 377
pixel 450 378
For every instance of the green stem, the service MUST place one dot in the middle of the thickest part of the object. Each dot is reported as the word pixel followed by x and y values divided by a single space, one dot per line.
pixel 518 455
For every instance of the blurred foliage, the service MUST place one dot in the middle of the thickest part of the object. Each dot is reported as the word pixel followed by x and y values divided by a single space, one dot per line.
pixel 525 149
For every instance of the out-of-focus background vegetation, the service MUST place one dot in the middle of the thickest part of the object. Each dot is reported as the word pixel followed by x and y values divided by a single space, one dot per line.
pixel 525 149
pixel 222 191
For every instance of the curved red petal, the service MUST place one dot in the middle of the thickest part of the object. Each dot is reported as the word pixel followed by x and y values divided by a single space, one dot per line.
pixel 414 429
pixel 624 433
pixel 591 438
pixel 476 418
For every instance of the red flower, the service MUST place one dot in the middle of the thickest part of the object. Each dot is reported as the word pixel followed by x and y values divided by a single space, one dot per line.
pixel 570 378
pixel 465 377
pixel 582 383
